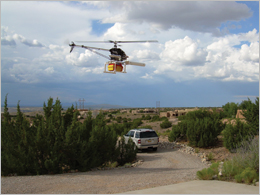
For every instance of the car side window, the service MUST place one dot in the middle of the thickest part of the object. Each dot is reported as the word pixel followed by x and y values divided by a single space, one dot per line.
pixel 137 135
pixel 132 133
pixel 128 134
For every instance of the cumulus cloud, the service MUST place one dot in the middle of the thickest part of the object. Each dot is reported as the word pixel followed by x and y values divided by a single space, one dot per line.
pixel 147 76
pixel 5 38
pixel 195 16
pixel 86 59
pixel 221 59
pixel 183 52
pixel 250 53
pixel 8 40
pixel 30 43
pixel 145 54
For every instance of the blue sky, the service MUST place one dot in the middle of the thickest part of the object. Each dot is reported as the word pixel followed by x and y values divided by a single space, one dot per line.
pixel 207 52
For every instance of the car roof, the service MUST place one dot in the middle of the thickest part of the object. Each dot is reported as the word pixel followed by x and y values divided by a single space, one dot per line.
pixel 143 130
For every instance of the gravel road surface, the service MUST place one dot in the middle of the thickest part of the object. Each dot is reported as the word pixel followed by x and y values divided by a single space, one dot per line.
pixel 161 167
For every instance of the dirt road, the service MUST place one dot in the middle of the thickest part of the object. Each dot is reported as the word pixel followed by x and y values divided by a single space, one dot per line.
pixel 163 167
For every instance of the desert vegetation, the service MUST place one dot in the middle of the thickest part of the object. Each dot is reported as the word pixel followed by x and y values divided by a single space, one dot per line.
pixel 57 142
pixel 241 138
pixel 242 168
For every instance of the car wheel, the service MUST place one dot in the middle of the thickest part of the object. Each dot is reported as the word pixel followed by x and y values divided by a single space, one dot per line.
pixel 154 149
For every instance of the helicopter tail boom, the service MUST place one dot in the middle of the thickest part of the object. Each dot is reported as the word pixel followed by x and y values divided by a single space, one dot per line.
pixel 134 63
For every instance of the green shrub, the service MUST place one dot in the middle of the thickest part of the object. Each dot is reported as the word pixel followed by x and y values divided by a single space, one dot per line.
pixel 248 175
pixel 205 174
pixel 127 152
pixel 234 134
pixel 248 154
pixel 119 119
pixel 200 128
pixel 155 118
pixel 208 173
pixel 210 156
pixel 239 178
pixel 214 167
pixel 57 142
pixel 203 132
pixel 230 109
pixel 165 124
pixel 178 131
pixel 147 117
pixel 251 115
pixel 230 169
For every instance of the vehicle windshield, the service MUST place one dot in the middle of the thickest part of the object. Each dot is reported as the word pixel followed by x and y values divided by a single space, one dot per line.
pixel 147 134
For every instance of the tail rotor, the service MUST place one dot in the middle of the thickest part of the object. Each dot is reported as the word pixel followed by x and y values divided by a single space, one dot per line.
pixel 72 45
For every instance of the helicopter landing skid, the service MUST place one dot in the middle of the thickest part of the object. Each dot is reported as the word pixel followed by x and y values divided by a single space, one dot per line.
pixel 113 67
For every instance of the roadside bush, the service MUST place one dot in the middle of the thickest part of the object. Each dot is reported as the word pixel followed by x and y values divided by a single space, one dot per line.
pixel 203 132
pixel 136 122
pixel 243 167
pixel 208 173
pixel 248 154
pixel 210 156
pixel 174 134
pixel 205 174
pixel 200 128
pixel 165 124
pixel 178 132
pixel 248 175
pixel 230 109
pixel 58 142
pixel 234 134
pixel 127 152
pixel 251 115
pixel 230 170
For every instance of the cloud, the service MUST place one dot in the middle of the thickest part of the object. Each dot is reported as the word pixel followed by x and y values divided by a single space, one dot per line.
pixel 147 76
pixel 49 70
pixel 5 38
pixel 184 59
pixel 196 16
pixel 8 40
pixel 86 59
pixel 184 52
pixel 250 53
pixel 33 43
pixel 145 54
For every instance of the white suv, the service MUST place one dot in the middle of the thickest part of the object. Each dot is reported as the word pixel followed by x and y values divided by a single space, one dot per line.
pixel 143 138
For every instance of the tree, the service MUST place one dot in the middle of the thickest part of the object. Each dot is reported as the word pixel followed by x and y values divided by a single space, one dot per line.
pixel 230 109
pixel 234 134
pixel 252 115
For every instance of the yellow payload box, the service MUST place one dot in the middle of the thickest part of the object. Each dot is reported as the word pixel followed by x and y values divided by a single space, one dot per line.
pixel 119 67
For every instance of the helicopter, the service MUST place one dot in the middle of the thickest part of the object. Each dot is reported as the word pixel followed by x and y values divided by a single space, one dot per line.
pixel 117 58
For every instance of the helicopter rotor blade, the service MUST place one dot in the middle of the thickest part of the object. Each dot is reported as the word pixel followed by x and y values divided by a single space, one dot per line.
pixel 115 42
pixel 136 41
pixel 93 41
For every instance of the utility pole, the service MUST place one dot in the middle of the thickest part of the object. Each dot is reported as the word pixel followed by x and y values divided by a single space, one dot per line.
pixel 81 102
pixel 158 106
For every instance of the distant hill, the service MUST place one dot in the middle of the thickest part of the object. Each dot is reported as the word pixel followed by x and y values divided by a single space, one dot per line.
pixel 12 109
pixel 104 106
